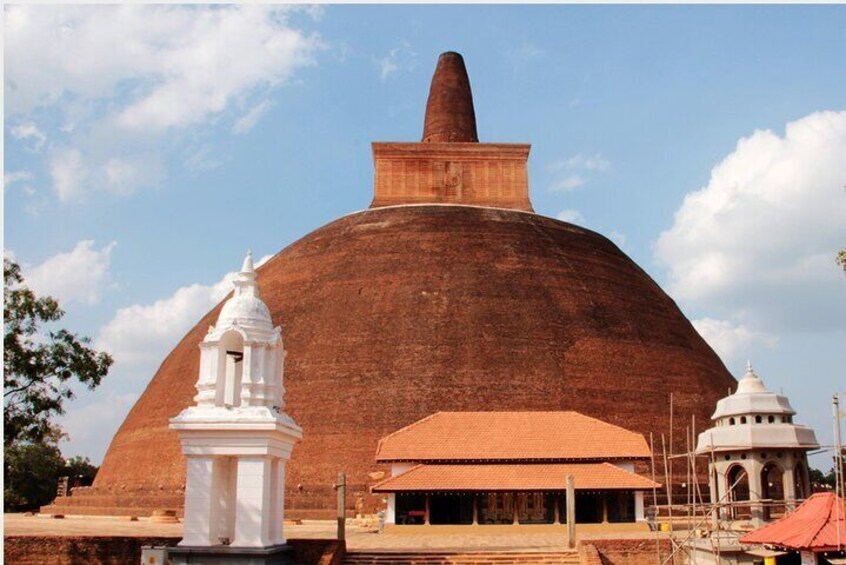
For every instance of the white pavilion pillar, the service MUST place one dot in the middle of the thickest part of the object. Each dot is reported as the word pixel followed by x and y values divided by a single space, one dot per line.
pixel 277 501
pixel 200 503
pixel 391 512
pixel 639 507
pixel 789 484
pixel 252 503
pixel 753 472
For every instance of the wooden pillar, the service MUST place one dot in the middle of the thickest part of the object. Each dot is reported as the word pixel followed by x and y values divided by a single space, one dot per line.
pixel 342 505
pixel 556 512
pixel 426 515
pixel 475 509
pixel 571 512
pixel 514 512
pixel 604 507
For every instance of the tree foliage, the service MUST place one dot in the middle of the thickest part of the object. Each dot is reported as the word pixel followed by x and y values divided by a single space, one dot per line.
pixel 31 473
pixel 39 367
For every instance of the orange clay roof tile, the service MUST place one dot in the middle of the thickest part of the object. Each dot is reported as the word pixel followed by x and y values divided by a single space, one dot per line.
pixel 513 477
pixel 503 436
pixel 813 525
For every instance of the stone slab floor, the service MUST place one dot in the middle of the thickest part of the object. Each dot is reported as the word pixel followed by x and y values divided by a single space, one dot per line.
pixel 359 538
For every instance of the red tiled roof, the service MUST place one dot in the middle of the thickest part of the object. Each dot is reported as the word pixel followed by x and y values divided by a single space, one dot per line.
pixel 812 526
pixel 495 477
pixel 502 436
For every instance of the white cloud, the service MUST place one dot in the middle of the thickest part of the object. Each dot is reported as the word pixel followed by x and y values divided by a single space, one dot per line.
pixel 581 162
pixel 121 81
pixel 567 183
pixel 246 122
pixel 571 216
pixel 68 173
pixel 732 341
pixel 79 275
pixel 32 137
pixel 618 237
pixel 399 58
pixel 757 244
pixel 524 51
pixel 572 172
pixel 16 176
pixel 140 335
pixel 84 423
pixel 203 159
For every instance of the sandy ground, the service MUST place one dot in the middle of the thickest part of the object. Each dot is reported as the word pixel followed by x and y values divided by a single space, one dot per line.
pixel 358 538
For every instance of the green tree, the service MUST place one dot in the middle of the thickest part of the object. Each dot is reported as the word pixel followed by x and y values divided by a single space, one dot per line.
pixel 841 259
pixel 39 367
pixel 80 468
pixel 30 474
pixel 820 479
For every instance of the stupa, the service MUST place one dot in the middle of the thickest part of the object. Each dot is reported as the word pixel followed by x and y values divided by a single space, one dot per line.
pixel 756 452
pixel 447 294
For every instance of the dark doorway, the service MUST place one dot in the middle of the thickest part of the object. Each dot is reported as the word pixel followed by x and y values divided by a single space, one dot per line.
pixel 450 509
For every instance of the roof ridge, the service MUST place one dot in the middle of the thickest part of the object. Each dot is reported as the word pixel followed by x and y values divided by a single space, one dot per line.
pixel 392 477
pixel 403 429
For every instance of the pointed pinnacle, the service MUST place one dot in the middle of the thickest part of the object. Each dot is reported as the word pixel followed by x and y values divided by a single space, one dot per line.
pixel 449 110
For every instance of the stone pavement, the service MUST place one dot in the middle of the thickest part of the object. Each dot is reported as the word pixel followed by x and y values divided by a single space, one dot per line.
pixel 358 538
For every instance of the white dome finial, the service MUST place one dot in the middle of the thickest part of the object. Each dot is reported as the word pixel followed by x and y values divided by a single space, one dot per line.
pixel 247 266
pixel 245 307
pixel 750 382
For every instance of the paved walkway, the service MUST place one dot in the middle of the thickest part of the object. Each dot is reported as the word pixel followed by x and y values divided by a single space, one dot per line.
pixel 358 538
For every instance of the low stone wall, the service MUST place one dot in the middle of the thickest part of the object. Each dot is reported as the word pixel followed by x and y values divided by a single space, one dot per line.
pixel 124 550
pixel 622 551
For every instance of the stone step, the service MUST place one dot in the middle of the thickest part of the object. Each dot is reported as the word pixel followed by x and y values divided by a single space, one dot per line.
pixel 171 502
pixel 79 510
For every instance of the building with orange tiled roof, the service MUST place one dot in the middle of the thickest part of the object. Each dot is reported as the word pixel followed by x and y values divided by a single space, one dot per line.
pixel 511 468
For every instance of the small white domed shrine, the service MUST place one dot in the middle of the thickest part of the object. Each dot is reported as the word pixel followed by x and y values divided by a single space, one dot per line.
pixel 758 454
pixel 237 437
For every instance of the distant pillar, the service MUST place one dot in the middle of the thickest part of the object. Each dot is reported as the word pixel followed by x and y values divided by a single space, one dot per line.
pixel 604 507
pixel 789 485
pixel 342 505
pixel 515 508
pixel 556 512
pixel 426 513
pixel 391 514
pixel 753 472
pixel 475 499
pixel 571 512
pixel 639 506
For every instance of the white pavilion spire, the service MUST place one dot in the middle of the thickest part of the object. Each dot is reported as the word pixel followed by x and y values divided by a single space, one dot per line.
pixel 237 437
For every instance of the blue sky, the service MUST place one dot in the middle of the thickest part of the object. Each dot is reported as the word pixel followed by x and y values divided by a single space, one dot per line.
pixel 147 147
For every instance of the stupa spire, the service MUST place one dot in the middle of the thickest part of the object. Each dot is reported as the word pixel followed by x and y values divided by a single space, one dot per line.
pixel 449 111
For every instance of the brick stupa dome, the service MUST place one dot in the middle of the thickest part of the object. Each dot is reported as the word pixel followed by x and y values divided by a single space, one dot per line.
pixel 448 294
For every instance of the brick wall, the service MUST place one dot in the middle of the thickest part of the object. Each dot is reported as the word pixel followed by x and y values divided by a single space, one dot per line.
pixel 117 550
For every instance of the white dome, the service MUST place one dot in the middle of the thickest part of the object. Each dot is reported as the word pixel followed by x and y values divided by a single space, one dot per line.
pixel 751 398
pixel 245 310
pixel 753 418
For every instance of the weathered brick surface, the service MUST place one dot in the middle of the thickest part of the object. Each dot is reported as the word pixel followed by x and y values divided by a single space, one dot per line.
pixel 394 313
pixel 481 174
pixel 117 550
pixel 623 551
pixel 429 557
pixel 73 550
